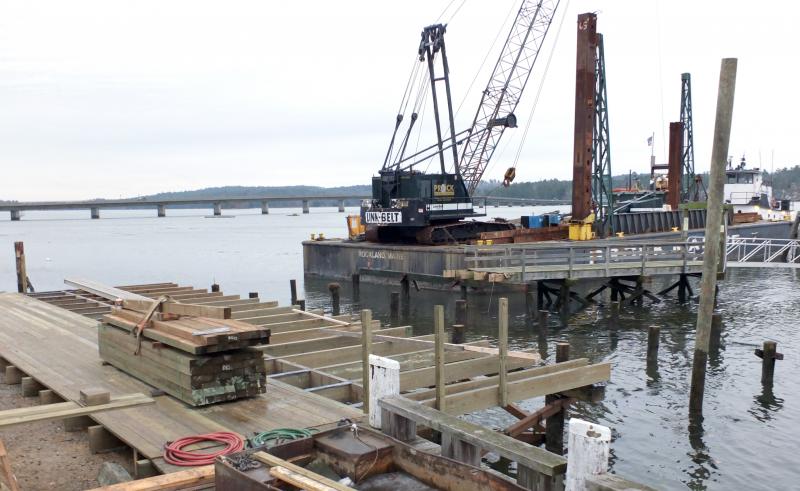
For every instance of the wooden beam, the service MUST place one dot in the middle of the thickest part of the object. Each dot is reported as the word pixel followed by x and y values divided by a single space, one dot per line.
pixel 190 478
pixel 529 456
pixel 486 397
pixel 493 380
pixel 63 410
pixel 298 480
pixel 180 309
pixel 274 461
pixel 102 290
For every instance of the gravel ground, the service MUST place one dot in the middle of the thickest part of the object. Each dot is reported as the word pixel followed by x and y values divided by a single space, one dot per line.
pixel 44 456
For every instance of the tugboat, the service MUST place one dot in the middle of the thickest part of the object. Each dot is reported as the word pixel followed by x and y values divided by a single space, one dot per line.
pixel 751 196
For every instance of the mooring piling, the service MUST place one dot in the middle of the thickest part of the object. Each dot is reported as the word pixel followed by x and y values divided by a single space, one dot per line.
pixel 653 338
pixel 708 282
pixel 293 291
pixel 768 354
pixel 22 272
pixel 334 289
pixel 356 287
pixel 394 308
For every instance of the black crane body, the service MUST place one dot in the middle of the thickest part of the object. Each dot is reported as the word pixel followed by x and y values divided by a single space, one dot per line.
pixel 409 205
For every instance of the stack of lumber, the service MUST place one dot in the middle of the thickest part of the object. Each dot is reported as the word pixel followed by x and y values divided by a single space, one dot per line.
pixel 195 359
pixel 519 235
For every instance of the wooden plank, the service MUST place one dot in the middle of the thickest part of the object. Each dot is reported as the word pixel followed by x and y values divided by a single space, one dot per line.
pixel 527 388
pixel 529 456
pixel 298 480
pixel 12 417
pixel 211 312
pixel 274 461
pixel 102 290
pixel 456 370
pixel 493 380
pixel 189 478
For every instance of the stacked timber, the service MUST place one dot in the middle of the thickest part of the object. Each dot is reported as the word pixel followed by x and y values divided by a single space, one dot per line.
pixel 197 360
pixel 521 235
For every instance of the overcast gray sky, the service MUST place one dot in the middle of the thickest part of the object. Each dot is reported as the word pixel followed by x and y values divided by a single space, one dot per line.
pixel 111 98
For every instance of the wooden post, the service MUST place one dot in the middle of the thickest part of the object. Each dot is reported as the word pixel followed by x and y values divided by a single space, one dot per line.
pixel 719 155
pixel 334 289
pixel 461 312
pixel 768 354
pixel 653 337
pixel 302 304
pixel 214 287
pixel 384 380
pixel 293 291
pixel 394 308
pixel 405 294
pixel 22 273
pixel 438 325
pixel 252 295
pixel 502 350
pixel 13 375
pixel 589 446
pixel 554 426
pixel 30 387
pixel 366 349
pixel 356 287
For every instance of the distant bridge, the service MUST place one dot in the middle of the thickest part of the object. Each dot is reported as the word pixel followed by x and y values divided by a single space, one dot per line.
pixel 218 203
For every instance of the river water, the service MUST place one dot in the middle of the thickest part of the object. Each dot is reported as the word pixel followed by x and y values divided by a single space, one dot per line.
pixel 749 434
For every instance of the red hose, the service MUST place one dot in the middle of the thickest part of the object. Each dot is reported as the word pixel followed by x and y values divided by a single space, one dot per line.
pixel 175 455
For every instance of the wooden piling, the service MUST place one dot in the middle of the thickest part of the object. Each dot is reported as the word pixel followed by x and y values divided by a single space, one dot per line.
pixel 502 350
pixel 394 308
pixel 554 426
pixel 22 273
pixel 356 287
pixel 653 338
pixel 719 155
pixel 716 331
pixel 293 291
pixel 438 325
pixel 405 295
pixel 542 322
pixel 768 354
pixel 334 289
pixel 366 349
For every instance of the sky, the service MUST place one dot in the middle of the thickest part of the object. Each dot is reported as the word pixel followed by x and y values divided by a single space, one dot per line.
pixel 111 98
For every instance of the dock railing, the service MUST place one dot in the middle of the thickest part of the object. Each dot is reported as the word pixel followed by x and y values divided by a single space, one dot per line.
pixel 578 259
pixel 761 252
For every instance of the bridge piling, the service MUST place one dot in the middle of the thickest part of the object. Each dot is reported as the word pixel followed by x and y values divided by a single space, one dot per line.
pixel 265 207
pixel 95 211
pixel 217 209
pixel 341 206
pixel 15 215
pixel 162 211
pixel 305 206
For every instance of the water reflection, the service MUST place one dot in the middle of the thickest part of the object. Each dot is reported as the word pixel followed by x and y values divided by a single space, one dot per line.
pixel 766 405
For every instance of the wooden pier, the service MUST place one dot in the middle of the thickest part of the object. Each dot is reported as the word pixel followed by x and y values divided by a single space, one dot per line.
pixel 314 364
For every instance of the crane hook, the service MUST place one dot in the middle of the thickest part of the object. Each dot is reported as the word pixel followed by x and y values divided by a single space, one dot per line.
pixel 509 176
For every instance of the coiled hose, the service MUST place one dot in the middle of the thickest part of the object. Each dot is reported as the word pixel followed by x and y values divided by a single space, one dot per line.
pixel 175 455
pixel 273 437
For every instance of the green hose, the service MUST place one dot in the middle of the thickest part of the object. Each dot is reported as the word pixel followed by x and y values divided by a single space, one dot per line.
pixel 279 435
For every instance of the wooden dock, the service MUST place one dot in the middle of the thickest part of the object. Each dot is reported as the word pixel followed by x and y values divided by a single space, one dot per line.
pixel 314 364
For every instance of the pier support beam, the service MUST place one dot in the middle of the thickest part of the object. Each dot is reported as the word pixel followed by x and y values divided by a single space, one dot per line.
pixel 95 211
pixel 162 211
pixel 15 215
pixel 265 207
pixel 305 206
pixel 341 206
pixel 217 209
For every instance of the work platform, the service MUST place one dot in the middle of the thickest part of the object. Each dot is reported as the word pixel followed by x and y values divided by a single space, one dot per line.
pixel 314 364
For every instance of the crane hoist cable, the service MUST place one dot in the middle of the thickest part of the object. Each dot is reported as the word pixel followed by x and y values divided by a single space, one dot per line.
pixel 512 170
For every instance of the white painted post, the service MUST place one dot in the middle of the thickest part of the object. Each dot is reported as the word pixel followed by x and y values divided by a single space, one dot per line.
pixel 588 448
pixel 384 380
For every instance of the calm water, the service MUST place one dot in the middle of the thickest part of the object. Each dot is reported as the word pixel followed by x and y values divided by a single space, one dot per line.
pixel 748 432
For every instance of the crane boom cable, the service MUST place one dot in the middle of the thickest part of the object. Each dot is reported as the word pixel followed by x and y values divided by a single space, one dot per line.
pixel 541 86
